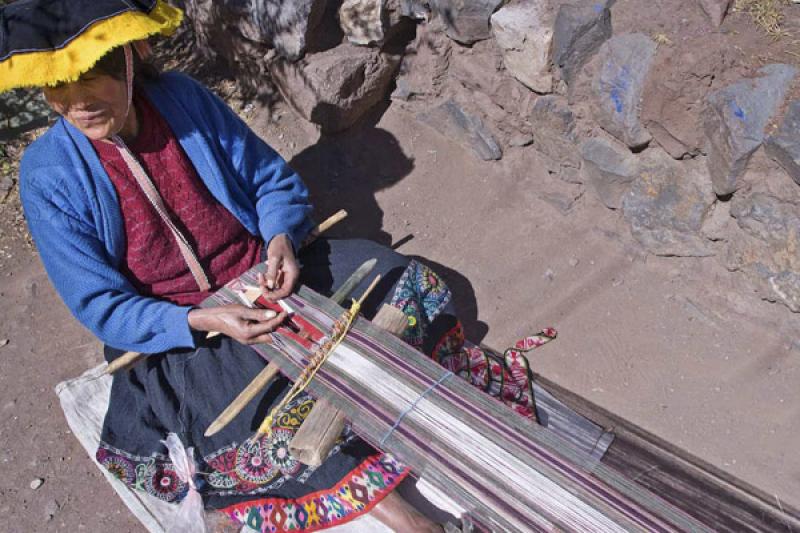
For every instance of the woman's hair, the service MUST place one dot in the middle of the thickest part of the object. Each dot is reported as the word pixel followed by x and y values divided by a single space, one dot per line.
pixel 113 64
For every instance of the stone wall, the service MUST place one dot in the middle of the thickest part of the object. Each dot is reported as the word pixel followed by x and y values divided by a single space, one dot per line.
pixel 681 125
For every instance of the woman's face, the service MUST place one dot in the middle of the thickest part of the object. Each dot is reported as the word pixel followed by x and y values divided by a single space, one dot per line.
pixel 96 104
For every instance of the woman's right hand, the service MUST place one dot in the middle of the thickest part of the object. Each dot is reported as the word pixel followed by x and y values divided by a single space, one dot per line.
pixel 244 324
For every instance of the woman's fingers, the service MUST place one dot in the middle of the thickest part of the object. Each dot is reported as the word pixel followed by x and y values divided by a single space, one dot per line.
pixel 271 276
pixel 255 314
pixel 287 277
pixel 255 328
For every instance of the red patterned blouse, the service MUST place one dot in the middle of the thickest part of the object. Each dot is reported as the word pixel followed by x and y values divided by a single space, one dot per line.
pixel 153 262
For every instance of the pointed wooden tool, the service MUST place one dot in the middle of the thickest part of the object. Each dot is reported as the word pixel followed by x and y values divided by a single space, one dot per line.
pixel 270 371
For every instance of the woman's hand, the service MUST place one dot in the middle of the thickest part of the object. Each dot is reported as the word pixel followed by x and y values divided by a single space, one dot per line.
pixel 244 324
pixel 282 269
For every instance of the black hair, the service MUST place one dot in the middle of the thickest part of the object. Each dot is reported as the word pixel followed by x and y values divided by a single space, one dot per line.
pixel 113 64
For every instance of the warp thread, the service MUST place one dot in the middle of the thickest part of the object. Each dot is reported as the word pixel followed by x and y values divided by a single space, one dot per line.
pixel 413 405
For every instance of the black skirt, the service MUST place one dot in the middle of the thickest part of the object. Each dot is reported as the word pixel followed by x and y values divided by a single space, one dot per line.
pixel 257 481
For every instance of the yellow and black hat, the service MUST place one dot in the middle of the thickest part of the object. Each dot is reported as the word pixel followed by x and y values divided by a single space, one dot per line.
pixel 45 42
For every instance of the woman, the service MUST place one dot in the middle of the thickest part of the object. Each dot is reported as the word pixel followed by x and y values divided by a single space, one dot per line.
pixel 146 196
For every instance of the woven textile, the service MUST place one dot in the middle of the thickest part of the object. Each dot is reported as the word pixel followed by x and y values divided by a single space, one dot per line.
pixel 503 468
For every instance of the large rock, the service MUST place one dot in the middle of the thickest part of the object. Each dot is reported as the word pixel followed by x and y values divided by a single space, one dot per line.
pixel 734 122
pixel 286 26
pixel 768 248
pixel 333 89
pixel 716 10
pixel 609 168
pixel 362 21
pixel 675 95
pixel 467 21
pixel 553 130
pixel 366 22
pixel 465 128
pixel 624 64
pixel 425 65
pixel 784 145
pixel 415 9
pixel 524 32
pixel 667 206
pixel 580 29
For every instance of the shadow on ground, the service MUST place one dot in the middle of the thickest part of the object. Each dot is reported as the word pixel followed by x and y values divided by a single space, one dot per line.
pixel 347 170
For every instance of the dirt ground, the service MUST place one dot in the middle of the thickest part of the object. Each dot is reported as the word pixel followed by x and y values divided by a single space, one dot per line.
pixel 677 346
pixel 680 347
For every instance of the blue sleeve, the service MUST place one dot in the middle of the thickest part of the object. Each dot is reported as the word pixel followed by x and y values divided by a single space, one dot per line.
pixel 96 293
pixel 279 195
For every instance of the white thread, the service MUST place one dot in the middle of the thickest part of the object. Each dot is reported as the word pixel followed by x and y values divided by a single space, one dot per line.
pixel 414 404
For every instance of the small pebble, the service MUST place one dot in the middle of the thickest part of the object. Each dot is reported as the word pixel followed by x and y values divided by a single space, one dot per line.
pixel 36 483
pixel 573 262
pixel 549 275
pixel 3 342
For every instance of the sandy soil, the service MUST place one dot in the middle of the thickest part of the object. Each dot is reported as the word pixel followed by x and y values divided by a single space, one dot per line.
pixel 680 347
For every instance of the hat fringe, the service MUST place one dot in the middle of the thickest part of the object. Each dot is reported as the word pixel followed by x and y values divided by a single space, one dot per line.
pixel 43 68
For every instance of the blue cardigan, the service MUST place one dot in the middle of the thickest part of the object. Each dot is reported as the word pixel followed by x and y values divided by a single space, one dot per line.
pixel 74 216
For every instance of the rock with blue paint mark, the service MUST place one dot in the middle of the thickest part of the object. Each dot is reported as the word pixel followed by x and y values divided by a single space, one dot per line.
pixel 580 29
pixel 784 145
pixel 734 121
pixel 524 32
pixel 667 205
pixel 467 21
pixel 767 249
pixel 610 168
pixel 624 62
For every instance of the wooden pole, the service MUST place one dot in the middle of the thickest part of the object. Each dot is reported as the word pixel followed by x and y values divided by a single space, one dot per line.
pixel 318 434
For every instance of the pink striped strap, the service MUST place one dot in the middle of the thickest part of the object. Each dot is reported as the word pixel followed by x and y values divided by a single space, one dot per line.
pixel 157 202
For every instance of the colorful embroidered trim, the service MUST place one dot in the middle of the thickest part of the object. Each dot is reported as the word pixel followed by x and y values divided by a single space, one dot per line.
pixel 352 497
pixel 507 377
pixel 252 467
pixel 421 294
pixel 154 475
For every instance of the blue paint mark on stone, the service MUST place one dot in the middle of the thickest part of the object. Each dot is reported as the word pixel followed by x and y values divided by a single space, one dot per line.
pixel 598 8
pixel 621 85
pixel 738 112
pixel 616 98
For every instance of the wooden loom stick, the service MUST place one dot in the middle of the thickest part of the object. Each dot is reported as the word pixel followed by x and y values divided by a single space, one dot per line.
pixel 128 359
pixel 265 376
pixel 329 222
pixel 251 391
pixel 317 435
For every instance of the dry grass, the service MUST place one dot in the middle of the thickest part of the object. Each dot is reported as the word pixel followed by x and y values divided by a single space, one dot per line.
pixel 662 39
pixel 767 15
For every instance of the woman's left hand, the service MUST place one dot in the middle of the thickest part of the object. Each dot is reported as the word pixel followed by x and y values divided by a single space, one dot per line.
pixel 282 269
